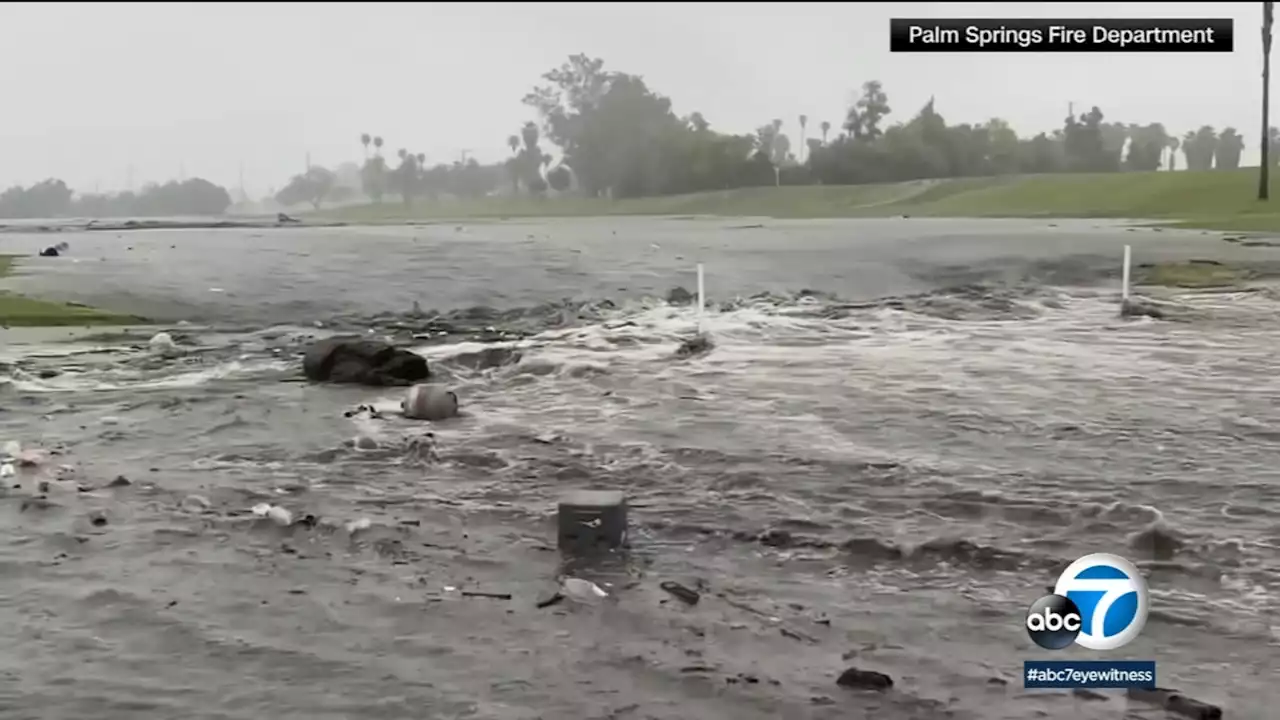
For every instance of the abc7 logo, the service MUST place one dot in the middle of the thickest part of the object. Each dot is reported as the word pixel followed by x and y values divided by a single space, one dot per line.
pixel 1053 622
pixel 1116 596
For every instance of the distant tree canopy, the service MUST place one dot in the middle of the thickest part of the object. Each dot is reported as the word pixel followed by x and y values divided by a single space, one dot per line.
pixel 412 179
pixel 313 186
pixel 52 198
pixel 620 138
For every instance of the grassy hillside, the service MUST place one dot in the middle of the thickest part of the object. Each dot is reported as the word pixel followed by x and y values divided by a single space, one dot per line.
pixel 1212 199
pixel 19 311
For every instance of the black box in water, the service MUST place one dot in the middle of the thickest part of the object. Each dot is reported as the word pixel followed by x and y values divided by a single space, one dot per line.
pixel 592 521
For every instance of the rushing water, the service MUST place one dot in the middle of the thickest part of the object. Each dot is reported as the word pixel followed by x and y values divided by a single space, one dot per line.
pixel 904 433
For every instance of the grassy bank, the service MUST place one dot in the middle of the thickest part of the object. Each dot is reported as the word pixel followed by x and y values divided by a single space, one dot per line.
pixel 20 311
pixel 1220 200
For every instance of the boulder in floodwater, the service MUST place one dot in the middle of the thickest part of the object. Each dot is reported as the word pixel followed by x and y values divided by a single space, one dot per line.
pixel 430 402
pixel 363 362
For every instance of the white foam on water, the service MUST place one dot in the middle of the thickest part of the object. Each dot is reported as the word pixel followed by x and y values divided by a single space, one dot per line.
pixel 124 379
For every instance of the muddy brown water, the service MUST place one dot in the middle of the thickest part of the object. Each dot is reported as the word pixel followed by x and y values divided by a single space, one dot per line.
pixel 882 472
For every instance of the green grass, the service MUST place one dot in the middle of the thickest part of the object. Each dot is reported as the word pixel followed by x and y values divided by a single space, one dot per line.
pixel 1219 200
pixel 20 311
pixel 1200 275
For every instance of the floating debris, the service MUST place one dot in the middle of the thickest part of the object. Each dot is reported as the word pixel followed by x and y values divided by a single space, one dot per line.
pixel 580 589
pixel 275 513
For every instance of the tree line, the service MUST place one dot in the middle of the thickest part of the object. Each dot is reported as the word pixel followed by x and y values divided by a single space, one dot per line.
pixel 618 138
pixel 622 139
pixel 410 178
pixel 53 199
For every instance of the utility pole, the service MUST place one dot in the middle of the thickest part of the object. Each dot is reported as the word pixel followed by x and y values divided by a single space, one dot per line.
pixel 462 156
pixel 1264 172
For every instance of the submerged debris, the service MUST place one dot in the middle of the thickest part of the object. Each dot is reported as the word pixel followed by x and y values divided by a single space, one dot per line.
pixel 679 296
pixel 699 344
pixel 579 589
pixel 864 680
pixel 680 592
pixel 1177 703
pixel 429 402
pixel 1134 307
pixel 162 344
pixel 275 513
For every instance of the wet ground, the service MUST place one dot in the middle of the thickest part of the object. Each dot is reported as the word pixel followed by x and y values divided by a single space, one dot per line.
pixel 905 431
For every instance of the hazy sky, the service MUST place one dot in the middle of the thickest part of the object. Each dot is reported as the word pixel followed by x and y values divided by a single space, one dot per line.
pixel 206 89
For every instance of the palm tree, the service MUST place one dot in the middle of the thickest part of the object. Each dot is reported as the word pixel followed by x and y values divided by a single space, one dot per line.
pixel 826 128
pixel 422 159
pixel 804 120
pixel 377 145
pixel 401 153
pixel 365 140
pixel 1173 144
pixel 1264 174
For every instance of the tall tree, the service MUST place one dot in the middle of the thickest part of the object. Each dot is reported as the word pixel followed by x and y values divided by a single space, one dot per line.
pixel 826 128
pixel 365 140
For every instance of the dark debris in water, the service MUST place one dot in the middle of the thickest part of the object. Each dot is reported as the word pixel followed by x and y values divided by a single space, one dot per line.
pixel 695 346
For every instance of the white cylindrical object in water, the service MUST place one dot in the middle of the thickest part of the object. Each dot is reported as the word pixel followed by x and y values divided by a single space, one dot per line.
pixel 1124 289
pixel 702 297
pixel 429 402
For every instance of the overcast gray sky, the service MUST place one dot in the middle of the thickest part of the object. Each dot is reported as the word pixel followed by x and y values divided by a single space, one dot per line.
pixel 91 89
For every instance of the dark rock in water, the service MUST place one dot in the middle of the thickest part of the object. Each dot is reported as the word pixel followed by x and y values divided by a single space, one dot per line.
pixel 1157 540
pixel 680 296
pixel 1140 308
pixel 1176 703
pixel 50 252
pixel 363 362
pixel 697 345
pixel 864 680
pixel 281 217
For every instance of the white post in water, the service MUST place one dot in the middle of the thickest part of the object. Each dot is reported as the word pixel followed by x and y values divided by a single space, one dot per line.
pixel 702 298
pixel 1124 287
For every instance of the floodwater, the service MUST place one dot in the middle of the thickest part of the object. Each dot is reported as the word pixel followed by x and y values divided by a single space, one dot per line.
pixel 905 431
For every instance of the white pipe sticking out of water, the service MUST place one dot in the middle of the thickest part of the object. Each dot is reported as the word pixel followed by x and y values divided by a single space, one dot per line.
pixel 702 299
pixel 1124 287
